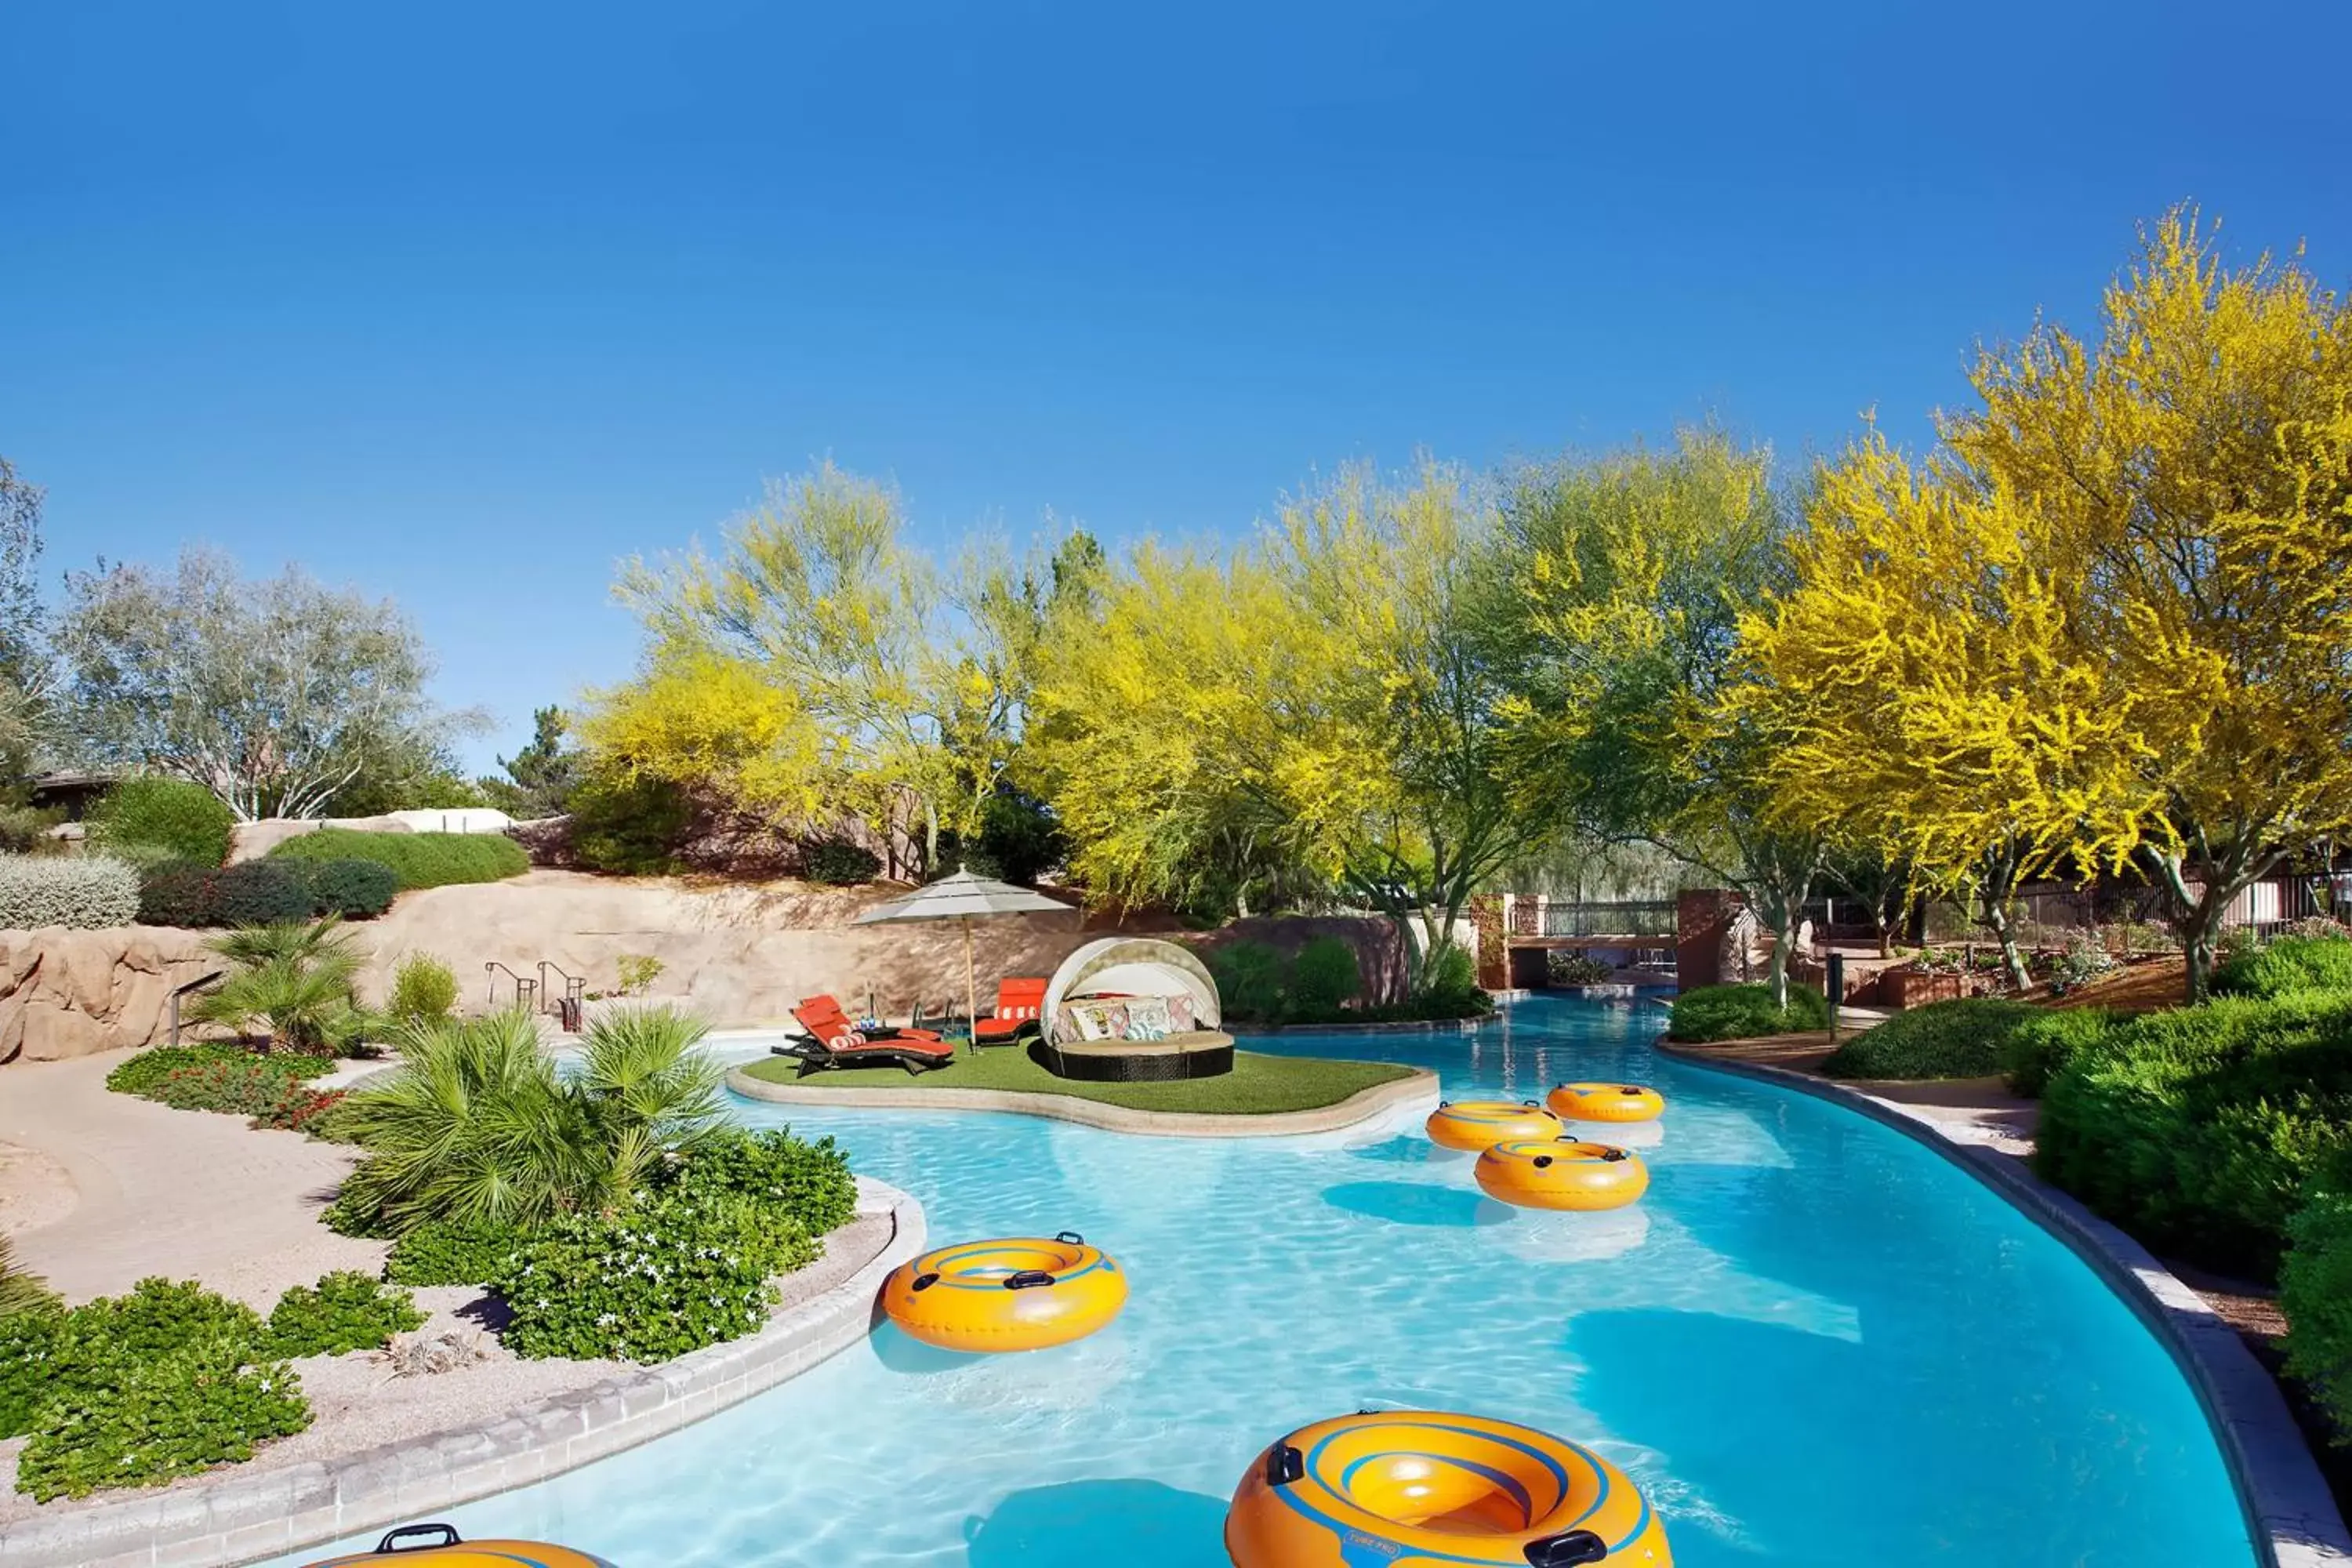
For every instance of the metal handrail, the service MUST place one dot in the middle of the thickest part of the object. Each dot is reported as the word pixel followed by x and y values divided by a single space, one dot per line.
pixel 524 988
pixel 573 985
pixel 180 991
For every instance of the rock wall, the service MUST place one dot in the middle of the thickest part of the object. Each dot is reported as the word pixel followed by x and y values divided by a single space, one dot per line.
pixel 70 993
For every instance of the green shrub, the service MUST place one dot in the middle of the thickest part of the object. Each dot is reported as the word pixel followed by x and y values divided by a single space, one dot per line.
pixel 21 1291
pixel 2290 963
pixel 2197 1130
pixel 136 1420
pixel 805 1184
pixel 140 1073
pixel 838 864
pixel 1942 1039
pixel 270 1090
pixel 26 831
pixel 176 893
pixel 1249 976
pixel 2316 1292
pixel 1745 1012
pixel 418 860
pixel 44 1357
pixel 630 827
pixel 165 819
pixel 257 893
pixel 1562 967
pixel 648 1283
pixel 91 892
pixel 355 1212
pixel 451 1252
pixel 637 973
pixel 2037 1048
pixel 1325 976
pixel 346 1311
pixel 423 989
pixel 353 889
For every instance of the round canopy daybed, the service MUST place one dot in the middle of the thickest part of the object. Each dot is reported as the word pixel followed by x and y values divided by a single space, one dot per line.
pixel 1133 1010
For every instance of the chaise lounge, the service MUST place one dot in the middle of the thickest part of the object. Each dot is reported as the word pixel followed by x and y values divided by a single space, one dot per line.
pixel 1020 1008
pixel 835 1042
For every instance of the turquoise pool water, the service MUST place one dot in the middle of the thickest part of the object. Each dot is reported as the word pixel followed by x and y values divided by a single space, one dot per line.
pixel 1814 1342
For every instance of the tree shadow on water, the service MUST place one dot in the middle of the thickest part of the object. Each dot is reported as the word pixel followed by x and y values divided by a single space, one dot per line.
pixel 1417 1203
pixel 1084 1524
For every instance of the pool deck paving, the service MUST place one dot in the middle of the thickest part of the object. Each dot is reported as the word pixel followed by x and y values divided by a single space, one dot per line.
pixel 1980 1125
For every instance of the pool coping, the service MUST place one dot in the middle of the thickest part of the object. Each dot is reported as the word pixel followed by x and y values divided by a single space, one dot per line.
pixel 2290 1513
pixel 247 1518
pixel 1364 1105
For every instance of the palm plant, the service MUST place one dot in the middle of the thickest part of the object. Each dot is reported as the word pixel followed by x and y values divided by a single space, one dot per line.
pixel 20 1291
pixel 479 1126
pixel 294 981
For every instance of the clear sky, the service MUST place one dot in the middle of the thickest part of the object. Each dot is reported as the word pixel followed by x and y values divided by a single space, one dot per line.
pixel 463 302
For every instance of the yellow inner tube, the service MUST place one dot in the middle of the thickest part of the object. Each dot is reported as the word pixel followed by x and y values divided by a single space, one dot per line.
pixel 1606 1102
pixel 1016 1293
pixel 1406 1488
pixel 1475 1124
pixel 439 1546
pixel 1561 1173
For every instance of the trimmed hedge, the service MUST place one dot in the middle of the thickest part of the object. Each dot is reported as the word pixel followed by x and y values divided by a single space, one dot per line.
pixel 153 817
pixel 1745 1012
pixel 2036 1049
pixel 2316 1292
pixel 2290 963
pixel 2198 1129
pixel 1962 1038
pixel 264 892
pixel 91 892
pixel 345 1311
pixel 418 860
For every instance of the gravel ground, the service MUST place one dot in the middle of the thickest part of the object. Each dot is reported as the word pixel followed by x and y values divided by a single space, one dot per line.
pixel 356 1405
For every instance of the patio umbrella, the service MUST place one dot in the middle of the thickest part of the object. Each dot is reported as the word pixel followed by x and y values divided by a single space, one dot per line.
pixel 963 898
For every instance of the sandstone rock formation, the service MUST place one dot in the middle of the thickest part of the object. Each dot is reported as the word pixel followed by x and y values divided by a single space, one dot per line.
pixel 69 993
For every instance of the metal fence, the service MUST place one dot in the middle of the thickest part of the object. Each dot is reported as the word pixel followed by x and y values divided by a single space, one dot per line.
pixel 1635 917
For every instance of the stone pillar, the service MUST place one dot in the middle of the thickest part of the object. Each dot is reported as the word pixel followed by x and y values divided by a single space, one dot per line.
pixel 1701 916
pixel 1494 948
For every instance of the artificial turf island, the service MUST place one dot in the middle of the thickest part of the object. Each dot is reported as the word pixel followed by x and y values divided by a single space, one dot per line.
pixel 1258 1085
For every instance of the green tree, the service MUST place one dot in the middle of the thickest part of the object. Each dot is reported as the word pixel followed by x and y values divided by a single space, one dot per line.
pixel 293 982
pixel 275 695
pixel 26 678
pixel 543 775
pixel 1629 576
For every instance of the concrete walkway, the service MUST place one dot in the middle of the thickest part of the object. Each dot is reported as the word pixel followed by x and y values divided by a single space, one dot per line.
pixel 1984 1109
pixel 99 1190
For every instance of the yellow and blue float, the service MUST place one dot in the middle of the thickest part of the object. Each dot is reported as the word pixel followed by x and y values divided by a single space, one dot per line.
pixel 439 1546
pixel 1605 1102
pixel 1403 1488
pixel 1477 1124
pixel 1561 1173
pixel 1017 1293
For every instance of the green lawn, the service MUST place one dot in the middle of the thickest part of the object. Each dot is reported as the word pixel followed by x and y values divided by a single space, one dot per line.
pixel 1258 1085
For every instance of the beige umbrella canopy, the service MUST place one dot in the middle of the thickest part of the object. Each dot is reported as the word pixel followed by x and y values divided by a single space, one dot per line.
pixel 963 898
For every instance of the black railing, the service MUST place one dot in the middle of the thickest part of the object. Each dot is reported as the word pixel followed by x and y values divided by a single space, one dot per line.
pixel 1653 917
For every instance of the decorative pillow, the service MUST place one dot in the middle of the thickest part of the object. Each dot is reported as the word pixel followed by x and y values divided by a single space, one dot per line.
pixel 847 1039
pixel 1180 1015
pixel 1147 1019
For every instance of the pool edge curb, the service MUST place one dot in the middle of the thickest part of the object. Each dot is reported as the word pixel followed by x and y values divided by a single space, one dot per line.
pixel 1364 1105
pixel 2292 1511
pixel 248 1518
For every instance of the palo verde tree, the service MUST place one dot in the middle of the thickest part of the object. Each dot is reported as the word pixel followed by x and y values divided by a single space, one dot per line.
pixel 2150 538
pixel 862 686
pixel 1628 574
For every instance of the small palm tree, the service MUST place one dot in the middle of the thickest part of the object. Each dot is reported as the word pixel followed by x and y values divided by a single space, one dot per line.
pixel 20 1291
pixel 293 981
pixel 478 1125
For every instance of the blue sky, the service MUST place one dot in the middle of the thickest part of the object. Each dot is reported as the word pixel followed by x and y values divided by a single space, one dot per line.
pixel 462 303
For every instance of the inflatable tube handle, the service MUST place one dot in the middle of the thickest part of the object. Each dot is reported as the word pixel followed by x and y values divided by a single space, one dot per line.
pixel 1284 1465
pixel 1543 1162
pixel 1567 1549
pixel 925 1281
pixel 1069 1239
pixel 441 1534
pixel 1027 1280
pixel 1612 1155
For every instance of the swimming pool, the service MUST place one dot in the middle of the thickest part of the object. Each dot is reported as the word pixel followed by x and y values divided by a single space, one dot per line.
pixel 1814 1342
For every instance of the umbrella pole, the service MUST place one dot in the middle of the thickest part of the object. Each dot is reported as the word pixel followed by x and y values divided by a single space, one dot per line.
pixel 970 987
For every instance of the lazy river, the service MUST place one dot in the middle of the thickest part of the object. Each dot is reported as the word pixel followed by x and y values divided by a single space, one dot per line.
pixel 1812 1342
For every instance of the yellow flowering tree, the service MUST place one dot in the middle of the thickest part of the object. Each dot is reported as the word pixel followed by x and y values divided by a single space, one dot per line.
pixel 2114 612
